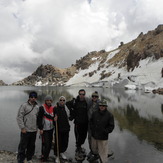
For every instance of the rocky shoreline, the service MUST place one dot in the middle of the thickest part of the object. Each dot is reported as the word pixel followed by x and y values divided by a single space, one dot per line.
pixel 7 157
pixel 11 157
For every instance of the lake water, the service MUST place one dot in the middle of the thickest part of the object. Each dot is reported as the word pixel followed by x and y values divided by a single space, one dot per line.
pixel 138 134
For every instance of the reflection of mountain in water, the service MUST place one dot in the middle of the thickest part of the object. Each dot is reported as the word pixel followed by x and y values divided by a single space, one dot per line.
pixel 149 129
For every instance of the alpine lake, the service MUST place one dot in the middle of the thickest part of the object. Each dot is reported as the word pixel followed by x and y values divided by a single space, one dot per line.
pixel 138 133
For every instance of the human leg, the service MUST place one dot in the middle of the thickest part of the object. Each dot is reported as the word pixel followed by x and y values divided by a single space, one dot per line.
pixel 46 143
pixel 22 147
pixel 31 145
pixel 80 134
pixel 103 150
pixel 94 153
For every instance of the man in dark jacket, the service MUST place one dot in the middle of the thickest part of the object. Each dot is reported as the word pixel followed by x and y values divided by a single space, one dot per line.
pixel 45 122
pixel 93 105
pixel 78 110
pixel 102 123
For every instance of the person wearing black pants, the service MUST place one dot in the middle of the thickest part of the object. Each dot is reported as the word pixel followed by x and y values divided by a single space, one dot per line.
pixel 80 135
pixel 26 119
pixel 62 129
pixel 78 112
pixel 27 141
pixel 45 122
pixel 47 138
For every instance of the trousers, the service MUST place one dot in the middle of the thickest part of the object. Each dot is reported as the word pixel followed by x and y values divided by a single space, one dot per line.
pixel 26 148
pixel 100 147
pixel 47 138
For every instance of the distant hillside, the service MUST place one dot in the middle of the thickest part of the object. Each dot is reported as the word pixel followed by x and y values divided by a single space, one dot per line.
pixel 2 83
pixel 112 66
pixel 48 75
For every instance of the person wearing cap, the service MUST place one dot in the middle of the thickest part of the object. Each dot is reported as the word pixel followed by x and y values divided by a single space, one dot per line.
pixel 26 119
pixel 62 129
pixel 45 122
pixel 101 123
pixel 93 105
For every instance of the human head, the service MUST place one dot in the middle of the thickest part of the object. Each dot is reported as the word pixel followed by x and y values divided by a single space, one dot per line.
pixel 32 94
pixel 32 97
pixel 62 100
pixel 48 100
pixel 103 105
pixel 82 94
pixel 95 96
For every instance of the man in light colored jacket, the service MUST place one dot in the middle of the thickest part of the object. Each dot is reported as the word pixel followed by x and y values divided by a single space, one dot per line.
pixel 27 122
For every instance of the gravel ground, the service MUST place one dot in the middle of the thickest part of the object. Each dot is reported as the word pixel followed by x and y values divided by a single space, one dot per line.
pixel 10 157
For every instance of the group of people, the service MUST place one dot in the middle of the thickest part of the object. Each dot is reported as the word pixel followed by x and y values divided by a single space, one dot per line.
pixel 90 115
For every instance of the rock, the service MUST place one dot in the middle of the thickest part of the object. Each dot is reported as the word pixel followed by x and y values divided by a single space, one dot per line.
pixel 159 91
pixel 10 157
pixel 2 83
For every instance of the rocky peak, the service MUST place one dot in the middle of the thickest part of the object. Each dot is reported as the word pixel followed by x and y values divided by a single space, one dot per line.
pixel 2 83
pixel 48 74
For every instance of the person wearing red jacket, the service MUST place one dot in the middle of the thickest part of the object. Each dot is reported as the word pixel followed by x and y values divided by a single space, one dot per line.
pixel 45 122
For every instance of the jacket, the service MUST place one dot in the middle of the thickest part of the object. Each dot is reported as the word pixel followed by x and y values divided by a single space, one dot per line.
pixel 92 107
pixel 27 116
pixel 78 110
pixel 102 123
pixel 63 121
pixel 45 119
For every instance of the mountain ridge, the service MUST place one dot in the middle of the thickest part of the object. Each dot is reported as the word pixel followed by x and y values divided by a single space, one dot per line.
pixel 127 57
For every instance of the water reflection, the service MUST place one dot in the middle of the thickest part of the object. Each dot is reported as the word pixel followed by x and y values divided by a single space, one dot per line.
pixel 138 135
pixel 149 129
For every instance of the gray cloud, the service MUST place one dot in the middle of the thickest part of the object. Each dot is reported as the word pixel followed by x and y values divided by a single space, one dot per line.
pixel 60 32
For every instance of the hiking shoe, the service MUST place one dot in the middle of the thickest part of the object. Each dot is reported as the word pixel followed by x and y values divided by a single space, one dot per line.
pixel 89 155
pixel 63 156
pixel 57 160
pixel 94 157
pixel 79 157
pixel 110 154
pixel 30 161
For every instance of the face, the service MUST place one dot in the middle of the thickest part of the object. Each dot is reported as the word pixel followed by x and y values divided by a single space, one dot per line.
pixel 82 95
pixel 102 107
pixel 32 99
pixel 94 98
pixel 62 101
pixel 48 102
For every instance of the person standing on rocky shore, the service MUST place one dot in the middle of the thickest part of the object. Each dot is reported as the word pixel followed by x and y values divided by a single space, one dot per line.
pixel 79 113
pixel 27 122
pixel 93 105
pixel 45 122
pixel 62 129
pixel 101 124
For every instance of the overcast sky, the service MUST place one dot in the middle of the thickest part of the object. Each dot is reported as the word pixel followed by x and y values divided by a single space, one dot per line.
pixel 58 32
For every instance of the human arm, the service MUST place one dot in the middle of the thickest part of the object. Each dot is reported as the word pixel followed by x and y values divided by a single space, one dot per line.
pixel 71 106
pixel 20 118
pixel 40 118
pixel 110 125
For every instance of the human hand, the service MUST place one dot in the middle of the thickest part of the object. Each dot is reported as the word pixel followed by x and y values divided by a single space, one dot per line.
pixel 41 132
pixel 56 118
pixel 23 130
